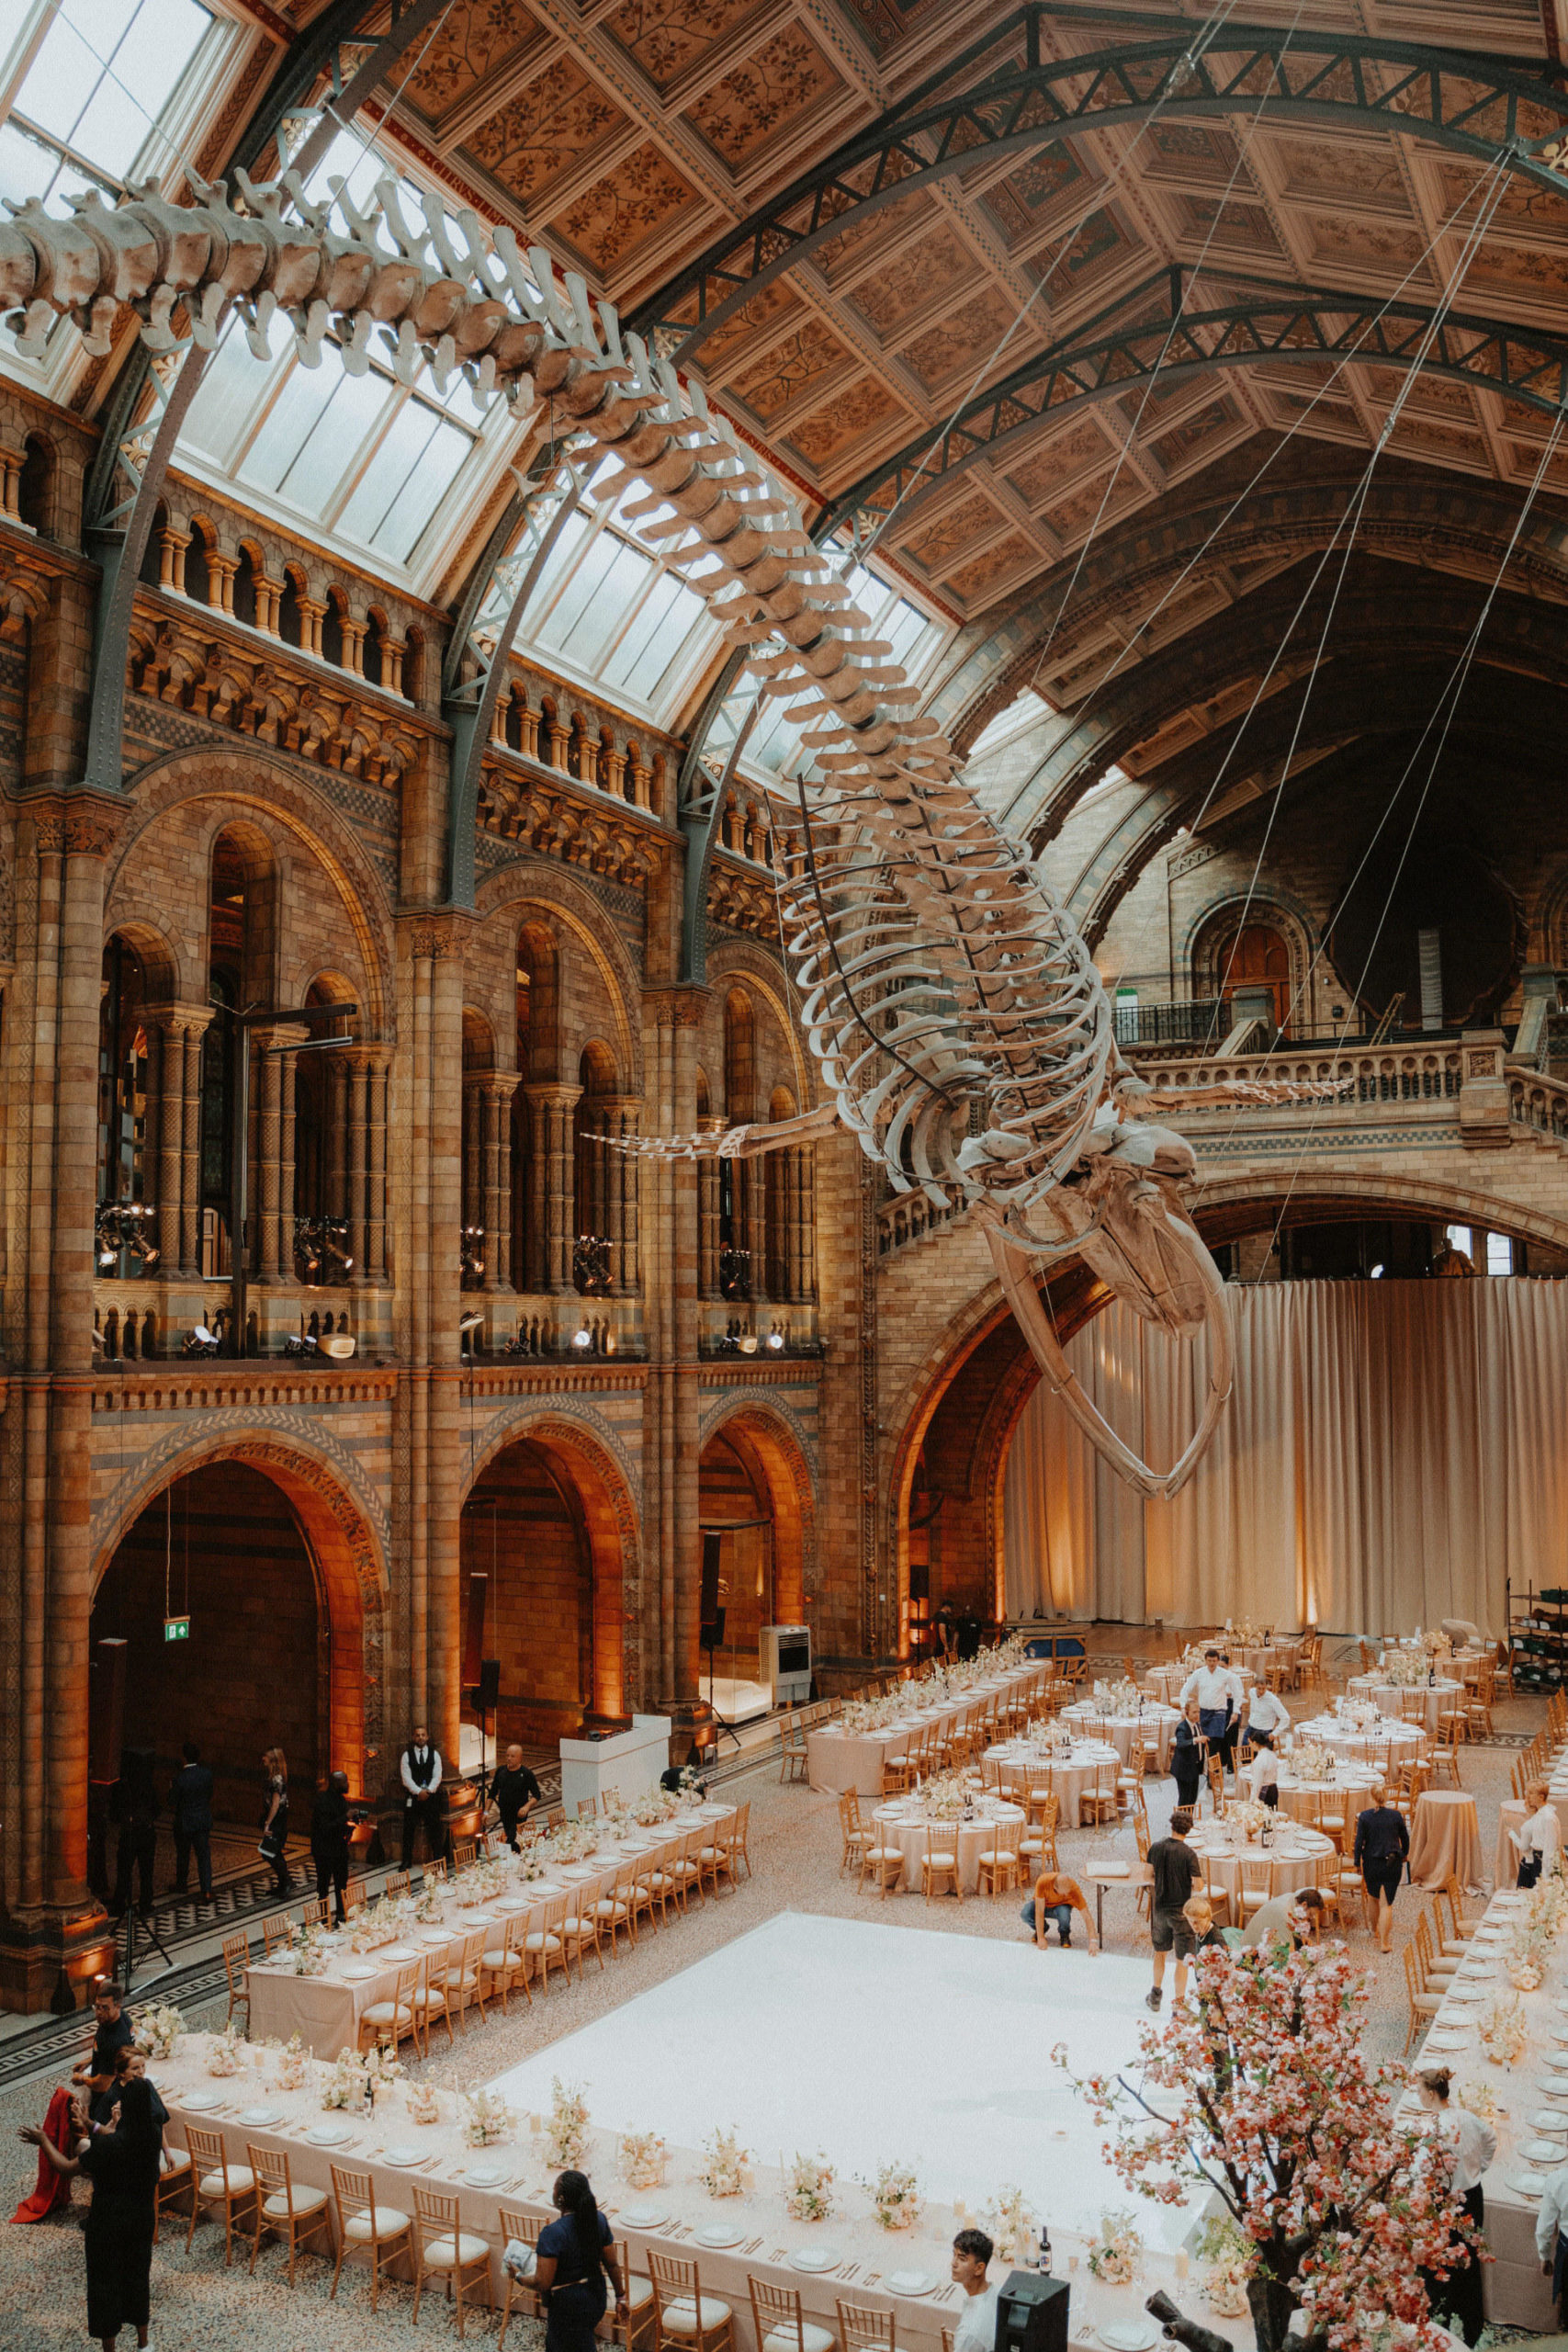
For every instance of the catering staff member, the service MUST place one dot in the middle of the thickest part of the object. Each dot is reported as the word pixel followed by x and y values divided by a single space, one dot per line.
pixel 1551 2239
pixel 419 1769
pixel 1262 1776
pixel 1538 1841
pixel 1466 2146
pixel 1266 1719
pixel 1219 1695
pixel 516 1792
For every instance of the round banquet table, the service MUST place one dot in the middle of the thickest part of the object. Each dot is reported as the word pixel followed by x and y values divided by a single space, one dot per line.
pixel 1439 1698
pixel 1444 1838
pixel 1349 1739
pixel 1350 1793
pixel 1259 1656
pixel 1155 1726
pixel 902 1823
pixel 1294 1861
pixel 1165 1682
pixel 1069 1775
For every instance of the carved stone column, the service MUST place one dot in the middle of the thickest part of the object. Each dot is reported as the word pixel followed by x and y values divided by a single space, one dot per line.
pixel 806 1287
pixel 171 1131
pixel 376 1212
pixel 192 1037
pixel 552 1207
pixel 288 1070
pixel 266 1078
pixel 497 1089
pixel 473 1151
pixel 708 1217
pixel 358 1059
pixel 336 1139
pixel 622 1117
pixel 752 1219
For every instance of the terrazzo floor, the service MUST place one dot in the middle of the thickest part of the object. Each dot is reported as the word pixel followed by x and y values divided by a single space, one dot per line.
pixel 795 1845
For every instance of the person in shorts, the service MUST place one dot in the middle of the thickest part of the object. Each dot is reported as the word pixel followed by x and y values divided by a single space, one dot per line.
pixel 1175 1871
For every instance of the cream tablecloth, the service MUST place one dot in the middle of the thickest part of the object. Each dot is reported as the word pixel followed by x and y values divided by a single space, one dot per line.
pixel 324 2011
pixel 1350 1792
pixel 766 2236
pixel 837 1760
pixel 1439 1699
pixel 1346 1740
pixel 1444 1838
pixel 1155 1726
pixel 906 1825
pixel 1069 1775
pixel 1293 1860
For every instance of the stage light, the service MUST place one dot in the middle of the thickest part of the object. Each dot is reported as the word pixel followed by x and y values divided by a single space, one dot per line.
pixel 776 1339
pixel 1376 1273
pixel 583 1338
pixel 749 1344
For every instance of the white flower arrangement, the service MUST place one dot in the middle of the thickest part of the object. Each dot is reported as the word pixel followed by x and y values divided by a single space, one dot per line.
pixel 487 2120
pixel 310 1958
pixel 642 2156
pixel 345 2087
pixel 650 1812
pixel 1502 2030
pixel 294 2065
pixel 724 2172
pixel 1525 1960
pixel 1480 2100
pixel 382 2067
pixel 428 1909
pixel 1246 1819
pixel 945 1797
pixel 1313 1761
pixel 423 2105
pixel 567 2126
pixel 1114 2255
pixel 896 2196
pixel 1119 1698
pixel 226 2052
pixel 157 2030
pixel 1012 2221
pixel 1548 1910
pixel 809 2188
pixel 483 1882
pixel 1231 2257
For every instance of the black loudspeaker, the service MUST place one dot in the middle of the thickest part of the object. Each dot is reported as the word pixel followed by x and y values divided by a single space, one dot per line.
pixel 712 1548
pixel 489 1684
pixel 1031 2313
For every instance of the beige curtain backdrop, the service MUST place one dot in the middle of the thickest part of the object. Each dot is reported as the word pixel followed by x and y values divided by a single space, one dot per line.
pixel 1391 1453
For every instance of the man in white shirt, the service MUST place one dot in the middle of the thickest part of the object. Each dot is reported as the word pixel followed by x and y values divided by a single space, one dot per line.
pixel 976 2329
pixel 1538 1841
pixel 1219 1695
pixel 1266 1719
pixel 423 1804
pixel 1551 2234
pixel 1261 1778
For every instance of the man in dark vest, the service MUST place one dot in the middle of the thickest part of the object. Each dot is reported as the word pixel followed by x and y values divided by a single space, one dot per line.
pixel 423 1803
pixel 191 1794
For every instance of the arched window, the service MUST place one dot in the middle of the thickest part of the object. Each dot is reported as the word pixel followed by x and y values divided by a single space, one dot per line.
pixel 371 654
pixel 322 1251
pixel 290 620
pixel 34 489
pixel 332 631
pixel 780 1179
pixel 246 589
pixel 592 1256
pixel 739 1274
pixel 123 1075
pixel 539 1060
pixel 198 574
pixel 242 892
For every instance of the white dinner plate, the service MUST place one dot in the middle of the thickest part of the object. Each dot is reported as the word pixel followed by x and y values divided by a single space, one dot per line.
pixel 479 1919
pixel 912 2282
pixel 328 2135
pixel 434 1935
pixel 259 2115
pixel 815 2257
pixel 1543 2152
pixel 354 1971
pixel 1129 2335
pixel 1526 2184
pixel 1466 1996
pixel 395 1953
pixel 718 2233
pixel 200 2101
pixel 1549 2119
pixel 403 2155
pixel 486 2176
pixel 645 2217
pixel 576 1871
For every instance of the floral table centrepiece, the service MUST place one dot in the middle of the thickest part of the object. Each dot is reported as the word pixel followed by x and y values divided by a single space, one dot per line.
pixel 487 2120
pixel 1121 1697
pixel 643 2157
pixel 345 2085
pixel 1246 1821
pixel 726 2164
pixel 809 2188
pixel 896 2196
pixel 308 1953
pixel 428 1909
pixel 423 2106
pixel 1524 1962
pixel 1481 2100
pixel 1228 2255
pixel 157 2030
pixel 567 2126
pixel 1013 2222
pixel 1268 2098
pixel 1502 2030
pixel 294 2065
pixel 226 2053
pixel 1115 2248
pixel 1313 1761
pixel 1548 1908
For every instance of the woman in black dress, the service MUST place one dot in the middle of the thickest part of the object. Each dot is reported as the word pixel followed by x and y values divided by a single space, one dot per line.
pixel 1187 1759
pixel 121 2161
pixel 1382 1848
pixel 275 1817
pixel 570 2263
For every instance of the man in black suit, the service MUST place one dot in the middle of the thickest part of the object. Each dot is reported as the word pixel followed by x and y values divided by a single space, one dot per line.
pixel 191 1794
pixel 329 1819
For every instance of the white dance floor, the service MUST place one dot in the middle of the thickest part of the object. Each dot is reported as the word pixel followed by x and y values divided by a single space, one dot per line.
pixel 870 2041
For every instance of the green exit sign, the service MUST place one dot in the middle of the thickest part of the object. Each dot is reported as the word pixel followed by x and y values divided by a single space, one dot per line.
pixel 177 1628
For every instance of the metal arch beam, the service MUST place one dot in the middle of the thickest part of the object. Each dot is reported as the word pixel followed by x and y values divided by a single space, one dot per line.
pixel 1269 324
pixel 129 473
pixel 1470 103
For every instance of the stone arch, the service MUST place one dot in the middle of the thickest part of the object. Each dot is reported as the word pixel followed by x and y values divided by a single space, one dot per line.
pixel 345 1530
pixel 1205 951
pixel 774 1449
pixel 237 785
pixel 605 1485
pixel 735 961
pixel 580 917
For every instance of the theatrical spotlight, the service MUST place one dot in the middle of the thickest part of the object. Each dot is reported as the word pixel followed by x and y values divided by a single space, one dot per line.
pixel 775 1341
pixel 582 1337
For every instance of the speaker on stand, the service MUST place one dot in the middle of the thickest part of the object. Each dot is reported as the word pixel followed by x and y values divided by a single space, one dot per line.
pixel 486 1696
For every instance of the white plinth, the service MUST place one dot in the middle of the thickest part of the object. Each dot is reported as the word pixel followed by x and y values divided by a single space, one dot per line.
pixel 628 1761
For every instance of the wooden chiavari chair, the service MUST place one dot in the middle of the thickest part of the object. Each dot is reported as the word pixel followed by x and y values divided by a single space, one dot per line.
pixel 861 2329
pixel 1423 2005
pixel 377 2233
pixel 781 2324
pixel 401 1881
pixel 1444 1754
pixel 444 2249
pixel 217 2182
pixel 236 1961
pixel 353 1895
pixel 544 1947
pixel 792 1749
pixel 520 2228
pixel 283 2207
pixel 464 1978
pixel 397 2019
pixel 939 1863
pixel 1001 1865
pixel 504 1964
pixel 316 1913
pixel 683 2315
pixel 277 1936
pixel 431 2000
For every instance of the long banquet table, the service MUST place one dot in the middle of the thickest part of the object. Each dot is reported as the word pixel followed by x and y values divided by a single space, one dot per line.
pixel 325 2011
pixel 837 1760
pixel 1155 1727
pixel 867 2258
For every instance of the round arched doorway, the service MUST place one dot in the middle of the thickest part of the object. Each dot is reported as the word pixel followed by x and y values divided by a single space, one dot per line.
pixel 755 1511
pixel 211 1624
pixel 542 1576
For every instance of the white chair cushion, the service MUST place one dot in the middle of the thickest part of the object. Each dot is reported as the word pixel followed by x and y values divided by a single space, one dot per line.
pixel 812 2339
pixel 885 1854
pixel 242 2179
pixel 578 1927
pixel 681 2319
pixel 386 2012
pixel 461 1980
pixel 500 1960
pixel 537 1940
pixel 445 2254
pixel 175 2160
pixel 388 2222
pixel 713 1853
pixel 434 1999
pixel 639 2294
pixel 306 2200
pixel 941 1861
pixel 608 1909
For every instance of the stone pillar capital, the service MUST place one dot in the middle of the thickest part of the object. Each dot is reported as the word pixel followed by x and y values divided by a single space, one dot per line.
pixel 549 1095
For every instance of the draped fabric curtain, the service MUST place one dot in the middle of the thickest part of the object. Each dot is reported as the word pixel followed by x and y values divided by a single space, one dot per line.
pixel 1392 1452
